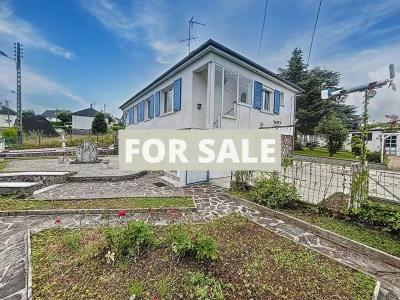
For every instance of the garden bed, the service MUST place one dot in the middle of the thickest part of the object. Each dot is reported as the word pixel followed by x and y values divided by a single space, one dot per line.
pixel 10 204
pixel 252 263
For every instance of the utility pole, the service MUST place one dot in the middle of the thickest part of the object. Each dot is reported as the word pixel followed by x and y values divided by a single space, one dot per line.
pixel 8 113
pixel 18 52
pixel 190 37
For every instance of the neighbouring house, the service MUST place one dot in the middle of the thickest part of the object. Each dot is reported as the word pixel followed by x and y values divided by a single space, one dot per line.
pixel 51 114
pixel 82 120
pixel 214 87
pixel 7 116
pixel 37 125
pixel 378 138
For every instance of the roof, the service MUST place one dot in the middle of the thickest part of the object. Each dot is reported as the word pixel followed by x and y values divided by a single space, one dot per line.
pixel 88 112
pixel 218 46
pixel 52 113
pixel 32 124
pixel 5 111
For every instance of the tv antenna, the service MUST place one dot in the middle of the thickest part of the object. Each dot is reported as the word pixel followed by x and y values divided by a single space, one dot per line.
pixel 190 38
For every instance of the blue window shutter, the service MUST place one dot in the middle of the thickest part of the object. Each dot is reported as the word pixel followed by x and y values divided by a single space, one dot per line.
pixel 257 95
pixel 157 104
pixel 130 113
pixel 177 94
pixel 151 107
pixel 137 113
pixel 141 111
pixel 277 101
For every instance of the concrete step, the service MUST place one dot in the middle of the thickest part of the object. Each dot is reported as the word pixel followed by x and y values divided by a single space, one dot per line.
pixel 171 182
pixel 25 188
pixel 171 174
pixel 47 177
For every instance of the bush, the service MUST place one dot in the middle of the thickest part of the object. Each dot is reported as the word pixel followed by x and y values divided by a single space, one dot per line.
pixel 374 157
pixel 274 193
pixel 243 179
pixel 201 287
pixel 387 216
pixel 99 124
pixel 185 243
pixel 128 242
pixel 356 145
pixel 205 247
pixel 298 146
pixel 334 130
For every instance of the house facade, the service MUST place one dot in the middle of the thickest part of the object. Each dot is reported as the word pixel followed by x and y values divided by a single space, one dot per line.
pixel 378 138
pixel 82 120
pixel 212 88
pixel 51 114
pixel 7 116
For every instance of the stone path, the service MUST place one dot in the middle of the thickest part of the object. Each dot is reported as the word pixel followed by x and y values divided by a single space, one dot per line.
pixel 211 202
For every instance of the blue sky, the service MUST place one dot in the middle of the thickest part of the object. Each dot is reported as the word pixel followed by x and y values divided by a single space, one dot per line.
pixel 102 51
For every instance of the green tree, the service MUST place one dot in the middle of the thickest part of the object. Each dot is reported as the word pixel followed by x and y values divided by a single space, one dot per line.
pixel 99 124
pixel 65 117
pixel 310 108
pixel 334 130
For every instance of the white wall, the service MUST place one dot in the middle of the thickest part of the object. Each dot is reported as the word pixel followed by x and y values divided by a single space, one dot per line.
pixel 4 118
pixel 81 122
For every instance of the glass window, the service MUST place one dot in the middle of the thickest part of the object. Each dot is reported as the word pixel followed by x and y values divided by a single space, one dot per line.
pixel 230 93
pixel 282 99
pixel 245 90
pixel 217 96
pixel 148 108
pixel 168 100
pixel 266 100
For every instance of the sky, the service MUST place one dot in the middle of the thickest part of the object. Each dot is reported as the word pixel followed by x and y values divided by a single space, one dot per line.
pixel 82 52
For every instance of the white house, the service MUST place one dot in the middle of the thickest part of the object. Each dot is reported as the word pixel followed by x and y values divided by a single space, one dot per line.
pixel 51 114
pixel 390 142
pixel 213 87
pixel 7 116
pixel 82 120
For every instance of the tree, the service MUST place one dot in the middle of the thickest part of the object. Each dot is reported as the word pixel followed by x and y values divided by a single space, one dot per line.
pixel 65 117
pixel 99 124
pixel 310 108
pixel 334 130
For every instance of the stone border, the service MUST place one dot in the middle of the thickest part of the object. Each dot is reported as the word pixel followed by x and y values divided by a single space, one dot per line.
pixel 331 236
pixel 94 211
pixel 107 178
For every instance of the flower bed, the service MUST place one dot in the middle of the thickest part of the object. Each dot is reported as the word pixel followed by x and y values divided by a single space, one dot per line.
pixel 242 261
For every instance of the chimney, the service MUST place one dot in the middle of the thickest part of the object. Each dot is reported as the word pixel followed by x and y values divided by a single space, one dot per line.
pixel 91 105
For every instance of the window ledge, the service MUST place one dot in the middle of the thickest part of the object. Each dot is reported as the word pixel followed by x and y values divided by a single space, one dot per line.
pixel 166 114
pixel 244 104
pixel 229 117
pixel 267 112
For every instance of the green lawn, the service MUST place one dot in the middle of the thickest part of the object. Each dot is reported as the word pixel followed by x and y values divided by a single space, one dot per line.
pixel 7 203
pixel 325 153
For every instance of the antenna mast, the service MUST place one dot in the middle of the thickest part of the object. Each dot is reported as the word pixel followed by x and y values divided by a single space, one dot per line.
pixel 190 37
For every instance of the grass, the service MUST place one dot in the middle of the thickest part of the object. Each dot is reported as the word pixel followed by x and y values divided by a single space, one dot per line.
pixel 373 237
pixel 324 153
pixel 8 203
pixel 253 263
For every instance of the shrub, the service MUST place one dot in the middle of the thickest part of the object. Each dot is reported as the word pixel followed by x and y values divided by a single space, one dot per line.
pixel 356 145
pixel 274 193
pixel 129 241
pixel 334 130
pixel 386 216
pixel 180 242
pixel 374 157
pixel 243 179
pixel 201 287
pixel 205 247
pixel 186 243
pixel 99 124
pixel 135 289
pixel 298 146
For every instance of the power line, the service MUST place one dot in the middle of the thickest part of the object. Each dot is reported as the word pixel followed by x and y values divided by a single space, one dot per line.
pixel 315 27
pixel 263 25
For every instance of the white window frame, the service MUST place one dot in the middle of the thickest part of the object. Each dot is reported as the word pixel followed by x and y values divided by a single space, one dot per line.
pixel 250 95
pixel 163 95
pixel 282 99
pixel 270 91
pixel 146 109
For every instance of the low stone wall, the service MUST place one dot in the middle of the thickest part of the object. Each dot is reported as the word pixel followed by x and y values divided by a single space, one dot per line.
pixel 55 152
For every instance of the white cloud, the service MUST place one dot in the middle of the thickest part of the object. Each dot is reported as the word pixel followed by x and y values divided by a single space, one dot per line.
pixel 13 28
pixel 138 24
pixel 34 83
